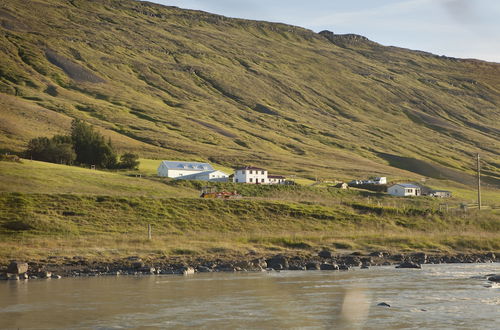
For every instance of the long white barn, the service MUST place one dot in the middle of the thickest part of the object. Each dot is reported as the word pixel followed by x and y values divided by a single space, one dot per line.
pixel 175 169
pixel 214 176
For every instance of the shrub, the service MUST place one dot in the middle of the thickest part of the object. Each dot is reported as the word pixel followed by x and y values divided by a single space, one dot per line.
pixel 129 161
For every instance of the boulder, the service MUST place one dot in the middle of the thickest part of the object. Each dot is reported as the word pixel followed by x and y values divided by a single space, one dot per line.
pixel 344 267
pixel 491 255
pixel 494 278
pixel 353 261
pixel 45 274
pixel 187 270
pixel 225 267
pixel 17 267
pixel 278 262
pixel 148 270
pixel 297 267
pixel 383 304
pixel 203 269
pixel 326 266
pixel 325 254
pixel 313 266
pixel 377 254
pixel 409 264
pixel 13 277
pixel 420 257
pixel 259 263
pixel 138 265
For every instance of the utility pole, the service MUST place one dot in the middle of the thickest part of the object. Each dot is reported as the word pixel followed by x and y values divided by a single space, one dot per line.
pixel 478 183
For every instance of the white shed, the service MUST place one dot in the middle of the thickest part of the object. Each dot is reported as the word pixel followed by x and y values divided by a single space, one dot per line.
pixel 276 179
pixel 250 174
pixel 175 169
pixel 404 189
pixel 380 180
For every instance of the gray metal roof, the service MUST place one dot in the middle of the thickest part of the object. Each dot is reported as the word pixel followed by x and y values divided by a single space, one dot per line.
pixel 407 185
pixel 187 166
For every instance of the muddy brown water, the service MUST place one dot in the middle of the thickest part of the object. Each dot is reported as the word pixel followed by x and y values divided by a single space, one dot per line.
pixel 436 297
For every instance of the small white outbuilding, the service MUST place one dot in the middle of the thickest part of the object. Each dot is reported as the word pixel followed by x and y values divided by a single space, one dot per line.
pixel 404 189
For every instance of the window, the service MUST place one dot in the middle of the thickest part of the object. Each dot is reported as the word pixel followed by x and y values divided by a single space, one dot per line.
pixel 236 180
pixel 262 180
pixel 250 180
pixel 251 172
pixel 262 172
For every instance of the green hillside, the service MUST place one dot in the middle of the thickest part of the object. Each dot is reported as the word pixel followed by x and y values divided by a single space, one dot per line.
pixel 180 84
pixel 58 210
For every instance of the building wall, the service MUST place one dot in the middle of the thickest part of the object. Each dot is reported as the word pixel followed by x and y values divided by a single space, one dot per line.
pixel 396 191
pixel 276 181
pixel 173 173
pixel 216 176
pixel 251 176
pixel 402 191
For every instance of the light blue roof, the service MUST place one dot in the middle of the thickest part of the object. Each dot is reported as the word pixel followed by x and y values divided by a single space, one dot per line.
pixel 186 166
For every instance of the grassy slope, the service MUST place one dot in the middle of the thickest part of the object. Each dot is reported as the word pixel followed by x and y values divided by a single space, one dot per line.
pixel 103 215
pixel 171 83
pixel 46 178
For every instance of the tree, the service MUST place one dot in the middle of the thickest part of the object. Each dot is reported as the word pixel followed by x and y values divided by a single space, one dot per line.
pixel 129 160
pixel 90 146
pixel 58 149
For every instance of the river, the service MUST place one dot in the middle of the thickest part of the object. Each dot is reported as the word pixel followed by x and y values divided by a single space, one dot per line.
pixel 435 297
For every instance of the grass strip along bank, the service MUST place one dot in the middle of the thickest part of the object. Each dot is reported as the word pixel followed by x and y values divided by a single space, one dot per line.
pixel 33 226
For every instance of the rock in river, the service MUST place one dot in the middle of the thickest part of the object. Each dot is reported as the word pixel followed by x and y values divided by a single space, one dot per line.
pixel 326 266
pixel 313 266
pixel 278 262
pixel 409 264
pixel 17 267
pixel 494 278
pixel 187 270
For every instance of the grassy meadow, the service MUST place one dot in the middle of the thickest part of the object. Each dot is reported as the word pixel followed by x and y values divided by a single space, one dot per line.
pixel 57 210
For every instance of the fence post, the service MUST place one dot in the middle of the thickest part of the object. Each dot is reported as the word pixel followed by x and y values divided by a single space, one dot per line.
pixel 149 231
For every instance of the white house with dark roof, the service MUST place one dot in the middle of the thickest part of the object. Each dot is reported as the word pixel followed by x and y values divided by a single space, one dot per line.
pixel 175 169
pixel 250 174
pixel 404 189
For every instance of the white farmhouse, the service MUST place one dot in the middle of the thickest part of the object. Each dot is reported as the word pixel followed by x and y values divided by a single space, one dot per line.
pixel 404 189
pixel 214 176
pixel 250 174
pixel 175 169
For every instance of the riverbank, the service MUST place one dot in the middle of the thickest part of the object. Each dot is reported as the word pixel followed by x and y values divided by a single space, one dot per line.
pixel 76 266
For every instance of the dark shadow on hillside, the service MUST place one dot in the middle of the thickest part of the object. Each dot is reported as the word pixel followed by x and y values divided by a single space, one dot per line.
pixel 434 171
pixel 73 70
